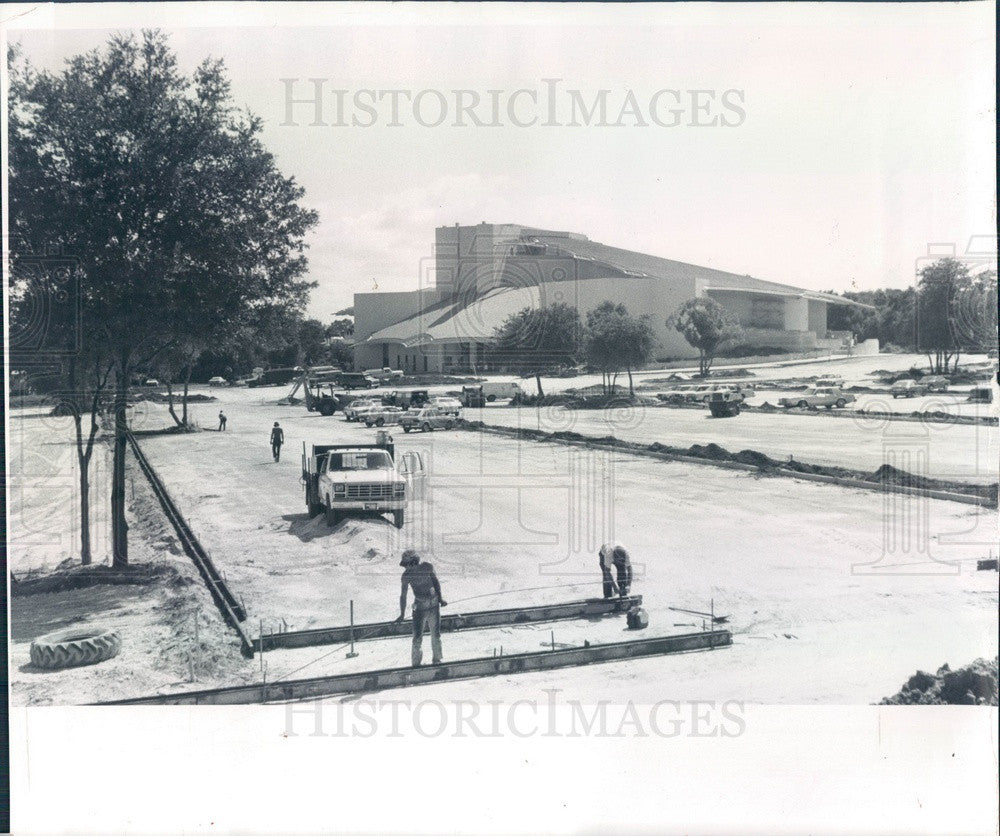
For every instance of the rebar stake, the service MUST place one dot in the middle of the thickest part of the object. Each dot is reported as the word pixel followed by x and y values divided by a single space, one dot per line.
pixel 351 654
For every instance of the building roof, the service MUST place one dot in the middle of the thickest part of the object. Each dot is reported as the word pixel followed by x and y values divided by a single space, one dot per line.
pixel 462 318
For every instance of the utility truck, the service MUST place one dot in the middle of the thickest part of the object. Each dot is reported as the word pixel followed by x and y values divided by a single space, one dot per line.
pixel 358 480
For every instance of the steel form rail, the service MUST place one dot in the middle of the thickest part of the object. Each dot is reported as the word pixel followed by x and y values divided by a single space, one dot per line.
pixel 232 610
pixel 589 608
pixel 368 681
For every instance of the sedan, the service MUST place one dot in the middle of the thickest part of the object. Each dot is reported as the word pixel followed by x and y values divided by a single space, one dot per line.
pixel 907 389
pixel 814 397
pixel 356 408
pixel 216 381
pixel 426 420
pixel 379 416
pixel 445 404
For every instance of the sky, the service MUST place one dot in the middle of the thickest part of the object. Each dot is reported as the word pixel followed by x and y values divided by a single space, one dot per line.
pixel 858 135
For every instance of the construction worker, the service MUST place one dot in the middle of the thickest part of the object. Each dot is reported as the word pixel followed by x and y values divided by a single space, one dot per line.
pixel 605 562
pixel 277 439
pixel 623 566
pixel 222 421
pixel 427 603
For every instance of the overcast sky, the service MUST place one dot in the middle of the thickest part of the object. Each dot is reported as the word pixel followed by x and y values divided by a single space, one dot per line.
pixel 867 131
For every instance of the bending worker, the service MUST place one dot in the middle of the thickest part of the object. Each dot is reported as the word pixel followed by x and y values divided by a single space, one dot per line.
pixel 427 603
pixel 615 554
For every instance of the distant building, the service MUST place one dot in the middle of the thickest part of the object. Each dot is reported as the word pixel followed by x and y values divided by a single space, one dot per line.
pixel 485 273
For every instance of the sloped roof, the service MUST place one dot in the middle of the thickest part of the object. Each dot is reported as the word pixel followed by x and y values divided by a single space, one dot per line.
pixel 665 268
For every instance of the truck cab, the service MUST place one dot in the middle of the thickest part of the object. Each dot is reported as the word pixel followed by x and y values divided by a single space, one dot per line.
pixel 357 480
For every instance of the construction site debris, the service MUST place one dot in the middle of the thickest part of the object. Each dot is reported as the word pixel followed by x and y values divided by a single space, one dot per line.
pixel 975 684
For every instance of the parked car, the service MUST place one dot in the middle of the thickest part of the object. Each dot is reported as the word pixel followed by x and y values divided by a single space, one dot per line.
pixel 217 381
pixel 725 403
pixel 815 396
pixel 493 390
pixel 355 380
pixel 936 383
pixel 407 398
pixel 908 389
pixel 379 416
pixel 450 405
pixel 152 381
pixel 981 394
pixel 384 375
pixel 427 419
pixel 699 394
pixel 472 396
pixel 358 406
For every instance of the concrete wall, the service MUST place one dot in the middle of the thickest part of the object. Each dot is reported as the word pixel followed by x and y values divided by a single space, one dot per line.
pixel 817 317
pixel 796 314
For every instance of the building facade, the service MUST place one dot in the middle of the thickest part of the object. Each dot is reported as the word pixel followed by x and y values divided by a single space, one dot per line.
pixel 485 273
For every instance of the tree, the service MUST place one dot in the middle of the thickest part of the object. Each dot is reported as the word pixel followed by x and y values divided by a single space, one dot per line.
pixel 940 287
pixel 533 339
pixel 177 214
pixel 706 326
pixel 616 340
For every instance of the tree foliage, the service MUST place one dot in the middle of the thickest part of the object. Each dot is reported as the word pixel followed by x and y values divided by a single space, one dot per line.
pixel 179 220
pixel 535 339
pixel 615 341
pixel 706 326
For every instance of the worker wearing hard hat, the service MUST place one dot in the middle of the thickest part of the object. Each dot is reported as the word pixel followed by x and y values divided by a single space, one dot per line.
pixel 427 603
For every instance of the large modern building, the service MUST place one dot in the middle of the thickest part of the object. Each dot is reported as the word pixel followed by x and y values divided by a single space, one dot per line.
pixel 483 274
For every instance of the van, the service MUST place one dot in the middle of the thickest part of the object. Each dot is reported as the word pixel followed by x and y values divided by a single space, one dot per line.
pixel 494 390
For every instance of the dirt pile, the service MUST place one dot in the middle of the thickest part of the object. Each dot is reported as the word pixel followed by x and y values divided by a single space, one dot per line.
pixel 975 684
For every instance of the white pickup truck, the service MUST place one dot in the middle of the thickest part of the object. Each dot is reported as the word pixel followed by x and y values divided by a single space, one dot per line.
pixel 356 480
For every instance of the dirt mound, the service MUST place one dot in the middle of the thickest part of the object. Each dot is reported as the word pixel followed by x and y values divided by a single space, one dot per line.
pixel 755 458
pixel 975 684
pixel 709 451
pixel 81 577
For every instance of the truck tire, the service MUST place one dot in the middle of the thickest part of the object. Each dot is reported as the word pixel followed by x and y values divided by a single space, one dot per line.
pixel 332 517
pixel 74 647
pixel 327 408
pixel 397 519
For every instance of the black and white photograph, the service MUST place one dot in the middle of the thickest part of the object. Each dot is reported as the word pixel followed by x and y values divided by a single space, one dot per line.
pixel 501 417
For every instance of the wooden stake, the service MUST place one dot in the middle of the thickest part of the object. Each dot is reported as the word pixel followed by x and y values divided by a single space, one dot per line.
pixel 351 654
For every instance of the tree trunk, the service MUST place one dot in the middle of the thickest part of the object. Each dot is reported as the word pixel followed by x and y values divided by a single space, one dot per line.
pixel 83 462
pixel 538 381
pixel 614 382
pixel 631 389
pixel 958 356
pixel 170 405
pixel 184 400
pixel 119 528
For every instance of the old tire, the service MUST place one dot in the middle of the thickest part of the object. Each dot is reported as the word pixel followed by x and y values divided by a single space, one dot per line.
pixel 397 519
pixel 74 647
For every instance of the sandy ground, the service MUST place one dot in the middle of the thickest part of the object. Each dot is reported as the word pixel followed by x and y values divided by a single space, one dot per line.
pixel 963 452
pixel 813 621
pixel 833 596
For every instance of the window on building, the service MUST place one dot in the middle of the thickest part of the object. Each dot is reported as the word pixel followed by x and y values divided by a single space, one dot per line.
pixel 767 312
pixel 425 362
